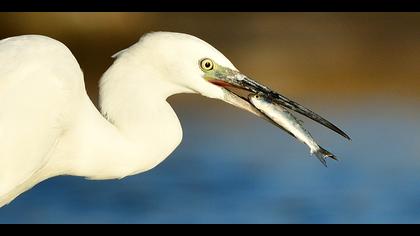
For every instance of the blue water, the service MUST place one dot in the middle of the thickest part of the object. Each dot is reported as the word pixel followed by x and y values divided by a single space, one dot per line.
pixel 234 168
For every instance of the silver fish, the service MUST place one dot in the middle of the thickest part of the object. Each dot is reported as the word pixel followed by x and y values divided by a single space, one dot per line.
pixel 289 123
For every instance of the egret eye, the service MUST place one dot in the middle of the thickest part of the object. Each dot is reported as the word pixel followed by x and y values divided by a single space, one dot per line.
pixel 206 64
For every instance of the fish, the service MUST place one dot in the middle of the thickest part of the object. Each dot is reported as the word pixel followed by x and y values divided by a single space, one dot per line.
pixel 289 123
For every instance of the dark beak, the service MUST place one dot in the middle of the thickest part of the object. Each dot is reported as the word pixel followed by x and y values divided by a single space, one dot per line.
pixel 238 80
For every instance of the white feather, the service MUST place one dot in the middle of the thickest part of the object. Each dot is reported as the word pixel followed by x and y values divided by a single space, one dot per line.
pixel 49 126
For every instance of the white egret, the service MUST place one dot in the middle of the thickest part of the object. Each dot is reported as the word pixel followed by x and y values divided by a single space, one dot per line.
pixel 49 126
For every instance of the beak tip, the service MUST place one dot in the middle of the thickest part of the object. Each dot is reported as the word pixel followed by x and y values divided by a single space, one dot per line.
pixel 345 136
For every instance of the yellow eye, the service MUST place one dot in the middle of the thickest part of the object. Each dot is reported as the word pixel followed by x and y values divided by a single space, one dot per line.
pixel 206 64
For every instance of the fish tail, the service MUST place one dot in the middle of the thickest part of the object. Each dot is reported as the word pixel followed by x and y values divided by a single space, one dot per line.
pixel 322 154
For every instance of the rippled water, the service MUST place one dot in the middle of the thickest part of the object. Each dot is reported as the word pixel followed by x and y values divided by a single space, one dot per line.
pixel 234 168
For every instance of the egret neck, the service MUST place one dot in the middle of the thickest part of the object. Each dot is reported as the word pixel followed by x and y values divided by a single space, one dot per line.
pixel 137 129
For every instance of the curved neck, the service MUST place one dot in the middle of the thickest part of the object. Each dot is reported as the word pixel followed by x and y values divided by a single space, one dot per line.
pixel 138 129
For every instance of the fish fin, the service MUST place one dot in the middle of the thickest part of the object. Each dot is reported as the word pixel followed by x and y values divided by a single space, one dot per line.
pixel 322 154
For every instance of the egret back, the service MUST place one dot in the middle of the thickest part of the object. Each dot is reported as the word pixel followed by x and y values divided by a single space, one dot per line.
pixel 39 85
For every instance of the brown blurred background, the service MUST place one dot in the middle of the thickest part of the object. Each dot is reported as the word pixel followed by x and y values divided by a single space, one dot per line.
pixel 354 56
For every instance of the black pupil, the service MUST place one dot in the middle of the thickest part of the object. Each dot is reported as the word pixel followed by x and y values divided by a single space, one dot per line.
pixel 207 64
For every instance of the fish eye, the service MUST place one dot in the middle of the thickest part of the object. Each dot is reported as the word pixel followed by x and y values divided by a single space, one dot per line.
pixel 206 64
pixel 257 96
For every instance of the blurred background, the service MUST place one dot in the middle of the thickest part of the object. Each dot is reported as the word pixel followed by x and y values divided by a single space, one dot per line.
pixel 359 70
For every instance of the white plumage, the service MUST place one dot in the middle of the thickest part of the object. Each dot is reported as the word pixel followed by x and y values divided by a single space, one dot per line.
pixel 49 126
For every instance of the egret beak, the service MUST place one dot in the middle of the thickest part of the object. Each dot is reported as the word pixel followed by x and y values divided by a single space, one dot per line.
pixel 226 77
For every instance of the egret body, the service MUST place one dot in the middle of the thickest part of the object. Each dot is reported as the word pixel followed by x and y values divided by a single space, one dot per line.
pixel 50 127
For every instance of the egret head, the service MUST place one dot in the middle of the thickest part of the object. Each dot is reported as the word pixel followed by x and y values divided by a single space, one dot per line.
pixel 182 63
pixel 192 65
